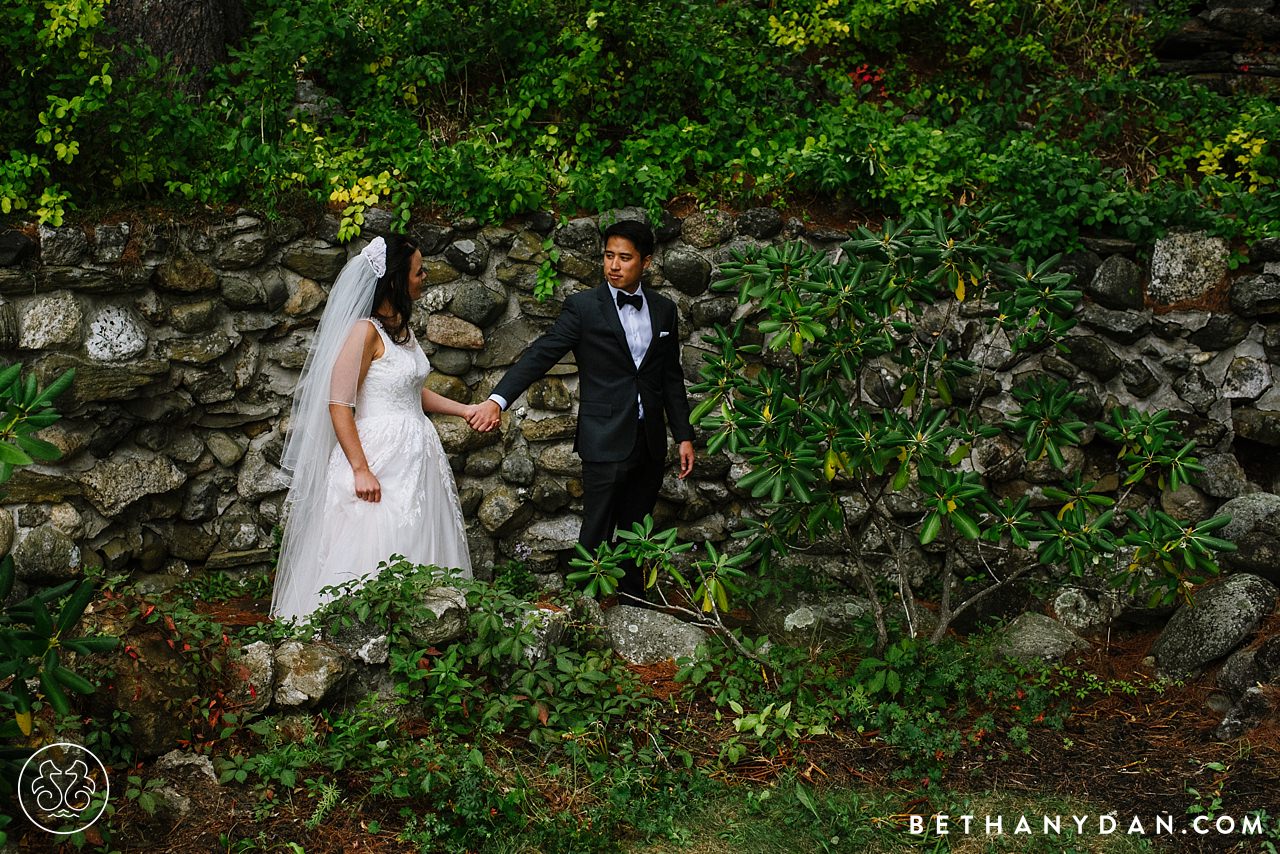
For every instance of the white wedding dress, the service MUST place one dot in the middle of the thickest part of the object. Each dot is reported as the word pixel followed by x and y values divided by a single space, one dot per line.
pixel 419 515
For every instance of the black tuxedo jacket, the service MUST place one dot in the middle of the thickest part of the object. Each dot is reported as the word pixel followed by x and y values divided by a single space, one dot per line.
pixel 608 380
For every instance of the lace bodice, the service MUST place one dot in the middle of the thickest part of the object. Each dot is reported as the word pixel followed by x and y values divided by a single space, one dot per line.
pixel 393 385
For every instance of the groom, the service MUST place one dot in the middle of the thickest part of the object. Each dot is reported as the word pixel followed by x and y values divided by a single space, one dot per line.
pixel 625 341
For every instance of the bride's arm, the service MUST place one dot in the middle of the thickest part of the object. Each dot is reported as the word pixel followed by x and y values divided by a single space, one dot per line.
pixel 433 402
pixel 344 425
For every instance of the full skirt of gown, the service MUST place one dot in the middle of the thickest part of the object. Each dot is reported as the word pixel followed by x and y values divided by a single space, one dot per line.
pixel 419 515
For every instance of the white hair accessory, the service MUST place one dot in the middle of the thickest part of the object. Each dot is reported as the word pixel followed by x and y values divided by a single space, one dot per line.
pixel 376 254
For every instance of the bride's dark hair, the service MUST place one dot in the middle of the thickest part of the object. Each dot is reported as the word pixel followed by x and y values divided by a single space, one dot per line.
pixel 393 287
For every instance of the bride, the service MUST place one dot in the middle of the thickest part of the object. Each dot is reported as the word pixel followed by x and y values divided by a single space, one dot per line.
pixel 369 475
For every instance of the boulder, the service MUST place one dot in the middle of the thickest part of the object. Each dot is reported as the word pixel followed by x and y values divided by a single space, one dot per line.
pixel 467 256
pixel 307 673
pixel 1186 266
pixel 1256 296
pixel 251 677
pixel 1247 378
pixel 1081 610
pixel 1117 283
pixel 186 274
pixel 687 269
pixel 518 468
pixel 14 247
pixel 1258 425
pixel 504 510
pixel 50 322
pixel 1223 477
pixel 441 618
pixel 62 247
pixel 114 484
pixel 580 235
pixel 1037 637
pixel 46 555
pixel 449 331
pixel 242 250
pixel 705 229
pixel 478 303
pixel 1220 619
pixel 1255 529
pixel 760 223
pixel 805 618
pixel 315 259
pixel 644 636
pixel 1254 706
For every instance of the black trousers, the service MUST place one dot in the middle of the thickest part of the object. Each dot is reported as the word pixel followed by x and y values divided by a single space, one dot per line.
pixel 616 496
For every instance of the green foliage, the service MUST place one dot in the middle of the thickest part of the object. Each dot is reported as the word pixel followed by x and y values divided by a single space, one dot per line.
pixel 499 108
pixel 38 642
pixel 863 388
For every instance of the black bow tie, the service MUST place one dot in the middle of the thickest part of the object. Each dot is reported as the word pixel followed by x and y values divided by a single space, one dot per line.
pixel 630 299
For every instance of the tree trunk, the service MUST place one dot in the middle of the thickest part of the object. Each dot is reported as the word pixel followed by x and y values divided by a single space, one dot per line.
pixel 192 35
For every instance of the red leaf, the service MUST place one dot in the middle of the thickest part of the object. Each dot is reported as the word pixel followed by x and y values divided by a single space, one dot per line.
pixel 542 714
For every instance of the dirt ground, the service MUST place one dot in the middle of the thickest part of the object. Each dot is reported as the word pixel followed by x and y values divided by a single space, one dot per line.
pixel 1135 752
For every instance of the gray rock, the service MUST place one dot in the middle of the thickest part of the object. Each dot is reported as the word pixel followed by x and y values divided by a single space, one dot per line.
pixel 8 530
pixel 241 251
pixel 1256 296
pixel 1238 673
pixel 1221 618
pixel 307 673
pixel 1138 378
pixel 484 462
pixel 507 342
pixel 806 618
pixel 194 316
pixel 453 332
pixel 114 484
pixel 14 247
pixel 518 468
pixel 1083 610
pixel 643 636
pixel 305 296
pixel 525 246
pixel 252 676
pixel 50 322
pixel 580 235
pixel 458 437
pixel 453 362
pixel 1255 529
pixel 705 229
pixel 583 269
pixel 1259 425
pixel 115 334
pixel 553 535
pixel 1186 503
pixel 1037 637
pixel 560 459
pixel 687 269
pixel 1247 378
pixel 477 303
pixel 504 510
pixel 444 620
pixel 1186 265
pixel 1093 355
pixel 315 259
pixel 1221 332
pixel 194 766
pixel 255 289
pixel 709 312
pixel 544 626
pixel 467 256
pixel 110 242
pixel 1254 706
pixel 364 642
pixel 259 474
pixel 9 332
pixel 1127 327
pixel 548 495
pixel 550 393
pixel 760 223
pixel 46 555
pixel 1223 477
pixel 1196 390
pixel 62 247
pixel 186 274
pixel 200 350
pixel 1117 284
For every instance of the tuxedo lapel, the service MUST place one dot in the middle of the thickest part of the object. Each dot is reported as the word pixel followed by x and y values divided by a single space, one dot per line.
pixel 609 315
pixel 655 324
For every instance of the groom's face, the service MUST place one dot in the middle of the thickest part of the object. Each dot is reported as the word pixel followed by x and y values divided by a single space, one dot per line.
pixel 623 265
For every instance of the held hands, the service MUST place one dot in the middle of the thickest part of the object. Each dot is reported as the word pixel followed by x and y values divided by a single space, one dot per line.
pixel 367 486
pixel 483 417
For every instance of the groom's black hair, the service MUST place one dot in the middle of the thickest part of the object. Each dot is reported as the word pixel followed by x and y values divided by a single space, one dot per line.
pixel 640 235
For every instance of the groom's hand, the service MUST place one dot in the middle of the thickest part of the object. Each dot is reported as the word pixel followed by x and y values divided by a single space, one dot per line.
pixel 485 416
pixel 686 459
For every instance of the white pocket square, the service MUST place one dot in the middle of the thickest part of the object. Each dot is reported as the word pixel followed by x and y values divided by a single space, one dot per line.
pixel 663 334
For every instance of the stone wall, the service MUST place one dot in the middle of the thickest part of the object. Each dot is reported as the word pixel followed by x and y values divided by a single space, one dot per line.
pixel 1228 45
pixel 187 339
